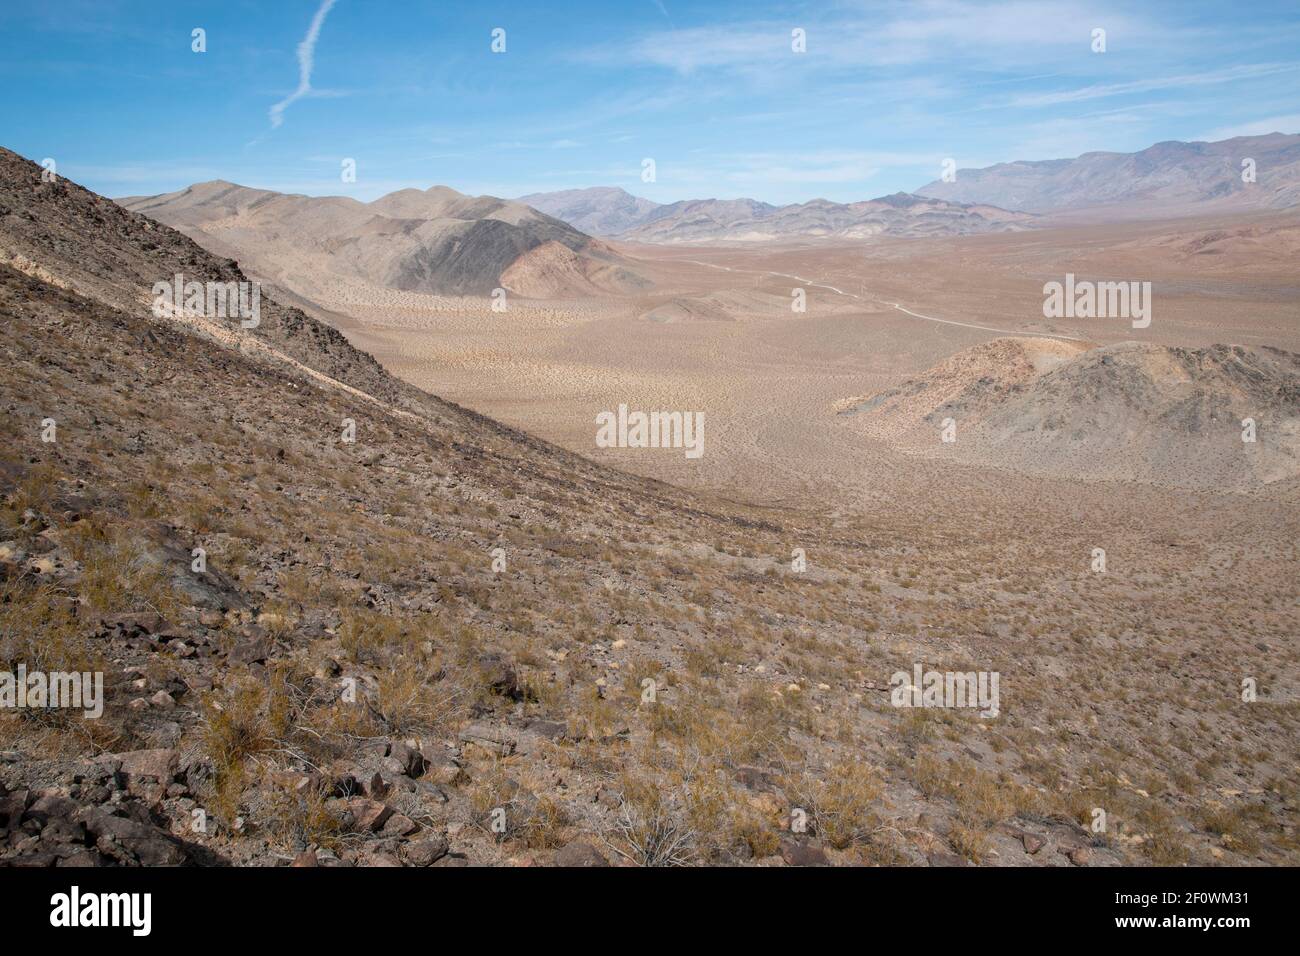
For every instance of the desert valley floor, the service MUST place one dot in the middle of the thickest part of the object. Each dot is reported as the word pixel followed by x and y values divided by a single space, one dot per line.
pixel 719 336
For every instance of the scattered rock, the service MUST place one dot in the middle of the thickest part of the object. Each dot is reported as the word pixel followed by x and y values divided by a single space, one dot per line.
pixel 369 815
pixel 426 851
pixel 1078 855
pixel 399 825
pixel 796 853
pixel 253 650
pixel 579 853
pixel 496 740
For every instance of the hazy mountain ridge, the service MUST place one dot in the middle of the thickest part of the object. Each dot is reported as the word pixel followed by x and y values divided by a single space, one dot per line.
pixel 1163 178
pixel 613 212
pixel 900 215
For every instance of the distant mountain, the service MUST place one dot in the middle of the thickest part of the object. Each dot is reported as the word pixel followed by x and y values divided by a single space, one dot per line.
pixel 436 240
pixel 612 212
pixel 599 211
pixel 901 214
pixel 1163 179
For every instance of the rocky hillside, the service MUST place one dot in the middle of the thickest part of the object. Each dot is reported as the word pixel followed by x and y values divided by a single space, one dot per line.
pixel 1131 411
pixel 343 622
pixel 1163 179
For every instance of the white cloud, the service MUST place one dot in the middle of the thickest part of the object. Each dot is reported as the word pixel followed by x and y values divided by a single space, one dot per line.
pixel 306 62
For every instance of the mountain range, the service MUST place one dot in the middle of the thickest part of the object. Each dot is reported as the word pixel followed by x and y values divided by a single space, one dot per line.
pixel 543 245
pixel 615 213
pixel 1161 180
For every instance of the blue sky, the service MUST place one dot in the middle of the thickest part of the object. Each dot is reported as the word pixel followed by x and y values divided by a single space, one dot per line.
pixel 586 90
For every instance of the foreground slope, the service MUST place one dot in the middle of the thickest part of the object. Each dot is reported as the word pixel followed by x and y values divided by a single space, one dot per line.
pixel 348 680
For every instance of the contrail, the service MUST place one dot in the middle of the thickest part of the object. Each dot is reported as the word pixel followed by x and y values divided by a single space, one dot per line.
pixel 306 60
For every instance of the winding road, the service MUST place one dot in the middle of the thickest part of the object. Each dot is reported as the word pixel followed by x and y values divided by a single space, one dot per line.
pixel 853 295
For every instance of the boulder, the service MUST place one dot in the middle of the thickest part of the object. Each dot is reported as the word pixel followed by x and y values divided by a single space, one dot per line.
pixel 498 741
pixel 426 851
pixel 369 815
pixel 796 853
pixel 579 853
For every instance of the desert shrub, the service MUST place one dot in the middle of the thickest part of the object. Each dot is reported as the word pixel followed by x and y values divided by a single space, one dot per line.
pixel 241 723
pixel 839 802
pixel 650 830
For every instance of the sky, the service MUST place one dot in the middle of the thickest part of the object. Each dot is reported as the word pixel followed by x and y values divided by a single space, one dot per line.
pixel 585 92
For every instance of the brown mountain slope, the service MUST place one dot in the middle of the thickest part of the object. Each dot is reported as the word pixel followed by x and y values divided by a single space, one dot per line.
pixel 435 241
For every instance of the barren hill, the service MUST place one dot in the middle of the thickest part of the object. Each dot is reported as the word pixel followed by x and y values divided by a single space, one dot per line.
pixel 553 271
pixel 1170 416
pixel 436 240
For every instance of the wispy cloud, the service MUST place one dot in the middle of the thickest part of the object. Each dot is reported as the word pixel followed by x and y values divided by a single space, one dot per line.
pixel 1248 71
pixel 854 35
pixel 306 62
